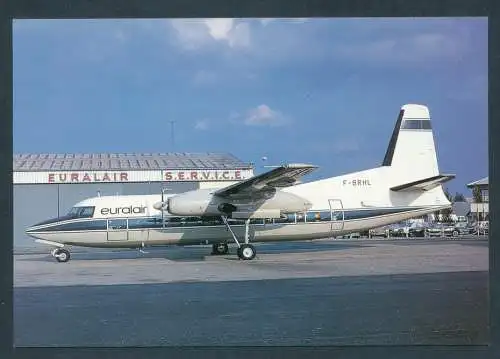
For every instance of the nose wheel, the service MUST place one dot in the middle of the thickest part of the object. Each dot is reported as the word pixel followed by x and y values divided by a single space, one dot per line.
pixel 61 255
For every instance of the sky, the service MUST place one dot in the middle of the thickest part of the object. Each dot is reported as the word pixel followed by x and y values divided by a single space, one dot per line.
pixel 320 91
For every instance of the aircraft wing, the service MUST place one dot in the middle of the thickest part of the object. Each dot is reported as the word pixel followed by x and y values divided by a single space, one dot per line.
pixel 263 184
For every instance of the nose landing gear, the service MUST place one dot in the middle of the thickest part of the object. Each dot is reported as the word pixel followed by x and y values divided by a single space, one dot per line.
pixel 61 255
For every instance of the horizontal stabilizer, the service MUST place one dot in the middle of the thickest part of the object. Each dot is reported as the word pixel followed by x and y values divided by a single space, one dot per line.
pixel 423 184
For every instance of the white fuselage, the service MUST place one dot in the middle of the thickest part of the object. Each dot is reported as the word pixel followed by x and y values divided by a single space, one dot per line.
pixel 339 205
pixel 330 207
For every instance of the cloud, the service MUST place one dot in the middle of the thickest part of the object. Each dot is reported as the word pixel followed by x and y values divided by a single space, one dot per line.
pixel 219 29
pixel 202 125
pixel 193 34
pixel 263 115
pixel 271 42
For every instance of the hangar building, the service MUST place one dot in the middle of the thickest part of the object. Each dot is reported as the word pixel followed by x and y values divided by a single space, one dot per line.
pixel 479 208
pixel 48 185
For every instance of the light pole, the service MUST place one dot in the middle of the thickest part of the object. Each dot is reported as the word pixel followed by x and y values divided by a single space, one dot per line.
pixel 172 135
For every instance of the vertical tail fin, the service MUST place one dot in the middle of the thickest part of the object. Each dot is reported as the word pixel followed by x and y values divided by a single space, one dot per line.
pixel 411 148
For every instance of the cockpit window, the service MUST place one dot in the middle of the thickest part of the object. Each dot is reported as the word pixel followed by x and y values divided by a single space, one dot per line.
pixel 81 212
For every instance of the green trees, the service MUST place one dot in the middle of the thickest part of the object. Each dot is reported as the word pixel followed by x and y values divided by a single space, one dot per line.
pixel 476 194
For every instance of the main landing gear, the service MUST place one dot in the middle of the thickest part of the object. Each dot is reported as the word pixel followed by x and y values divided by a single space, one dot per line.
pixel 61 255
pixel 245 250
pixel 220 248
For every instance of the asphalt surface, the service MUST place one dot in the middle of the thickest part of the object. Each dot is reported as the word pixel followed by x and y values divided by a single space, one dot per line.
pixel 320 293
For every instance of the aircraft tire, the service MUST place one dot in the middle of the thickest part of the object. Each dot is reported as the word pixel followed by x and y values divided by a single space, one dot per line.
pixel 220 248
pixel 246 252
pixel 62 255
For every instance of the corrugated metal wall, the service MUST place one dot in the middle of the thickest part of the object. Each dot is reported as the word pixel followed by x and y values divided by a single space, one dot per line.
pixel 37 202
pixel 214 184
pixel 31 204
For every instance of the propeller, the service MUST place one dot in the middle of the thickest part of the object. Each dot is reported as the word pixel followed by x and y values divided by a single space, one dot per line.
pixel 161 205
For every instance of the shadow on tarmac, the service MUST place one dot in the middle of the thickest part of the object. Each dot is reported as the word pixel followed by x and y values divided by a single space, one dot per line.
pixel 199 253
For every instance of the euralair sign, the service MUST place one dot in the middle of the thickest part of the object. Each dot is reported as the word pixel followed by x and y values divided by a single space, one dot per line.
pixel 69 177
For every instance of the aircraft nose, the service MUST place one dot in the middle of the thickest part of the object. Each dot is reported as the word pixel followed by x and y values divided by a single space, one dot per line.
pixel 31 231
pixel 35 228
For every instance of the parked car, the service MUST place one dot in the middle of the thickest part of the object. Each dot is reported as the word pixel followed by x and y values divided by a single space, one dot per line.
pixel 464 228
pixel 450 229
pixel 352 235
pixel 441 230
pixel 380 232
pixel 398 230
pixel 418 230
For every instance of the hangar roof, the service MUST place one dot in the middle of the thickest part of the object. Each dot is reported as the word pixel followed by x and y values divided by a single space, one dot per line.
pixel 125 161
pixel 481 182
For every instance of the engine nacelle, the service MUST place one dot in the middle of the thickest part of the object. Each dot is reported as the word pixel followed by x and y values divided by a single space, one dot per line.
pixel 193 203
pixel 202 202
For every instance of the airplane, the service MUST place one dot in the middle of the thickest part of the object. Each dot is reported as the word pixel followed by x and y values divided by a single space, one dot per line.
pixel 269 207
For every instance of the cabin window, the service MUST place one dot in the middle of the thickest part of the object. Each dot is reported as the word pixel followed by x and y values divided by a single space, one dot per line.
pixel 256 221
pixel 212 221
pixel 152 222
pixel 326 216
pixel 183 221
pixel 235 221
pixel 82 212
pixel 117 224
pixel 286 218
pixel 313 216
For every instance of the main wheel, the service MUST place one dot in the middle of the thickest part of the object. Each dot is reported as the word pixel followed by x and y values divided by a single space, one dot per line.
pixel 220 248
pixel 246 252
pixel 62 255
